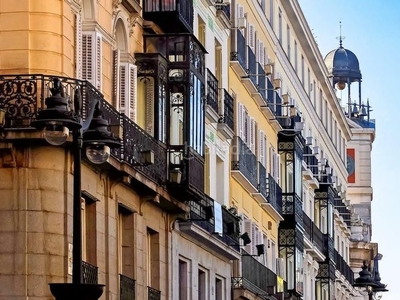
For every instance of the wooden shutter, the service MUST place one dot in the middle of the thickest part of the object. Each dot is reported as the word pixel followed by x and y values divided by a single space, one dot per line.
pixel 250 38
pixel 116 78
pixel 252 134
pixel 92 58
pixel 261 147
pixel 248 229
pixel 127 89
pixel 78 46
pixel 87 56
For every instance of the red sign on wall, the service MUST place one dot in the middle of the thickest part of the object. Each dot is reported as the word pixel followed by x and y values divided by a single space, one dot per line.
pixel 351 166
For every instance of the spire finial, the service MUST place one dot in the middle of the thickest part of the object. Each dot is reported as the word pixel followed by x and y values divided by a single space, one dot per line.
pixel 340 37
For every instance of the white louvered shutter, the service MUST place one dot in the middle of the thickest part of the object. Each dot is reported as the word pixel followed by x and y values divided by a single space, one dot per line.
pixel 272 161
pixel 252 144
pixel 92 58
pixel 239 121
pixel 248 229
pixel 251 37
pixel 116 78
pixel 240 14
pixel 278 168
pixel 261 53
pixel 261 242
pixel 254 237
pixel 98 61
pixel 261 147
pixel 245 125
pixel 127 91
pixel 78 46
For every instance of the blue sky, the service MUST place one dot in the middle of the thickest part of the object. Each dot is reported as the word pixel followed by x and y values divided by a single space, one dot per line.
pixel 371 30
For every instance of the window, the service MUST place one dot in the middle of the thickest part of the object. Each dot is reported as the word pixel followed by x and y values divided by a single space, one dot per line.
pixel 207 170
pixel 302 70
pixel 89 232
pixel 309 82
pixel 183 280
pixel 280 26
pixel 295 57
pixel 218 61
pixel 219 289
pixel 314 89
pixel 153 259
pixel 126 241
pixel 202 282
pixel 262 4
pixel 271 13
pixel 201 31
pixel 288 42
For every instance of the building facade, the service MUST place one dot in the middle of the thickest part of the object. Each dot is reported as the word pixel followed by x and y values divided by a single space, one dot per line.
pixel 231 179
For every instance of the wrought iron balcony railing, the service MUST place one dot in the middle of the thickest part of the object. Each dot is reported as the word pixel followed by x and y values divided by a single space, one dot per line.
pixel 171 16
pixel 245 161
pixel 343 267
pixel 262 180
pixel 239 46
pixel 310 160
pixel 230 221
pixel 22 96
pixel 191 164
pixel 262 87
pixel 318 238
pixel 308 226
pixel 153 294
pixel 344 212
pixel 252 65
pixel 227 115
pixel 90 273
pixel 212 91
pixel 223 7
pixel 270 94
pixel 258 274
pixel 126 288
pixel 274 192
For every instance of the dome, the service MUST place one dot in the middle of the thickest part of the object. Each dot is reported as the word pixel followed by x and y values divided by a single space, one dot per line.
pixel 343 64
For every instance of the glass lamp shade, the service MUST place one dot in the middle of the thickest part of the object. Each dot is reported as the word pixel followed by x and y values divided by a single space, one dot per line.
pixel 341 85
pixel 55 133
pixel 97 153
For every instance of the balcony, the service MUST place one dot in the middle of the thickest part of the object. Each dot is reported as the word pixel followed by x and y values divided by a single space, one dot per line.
pixel 344 212
pixel 201 225
pixel 314 239
pixel 256 278
pixel 344 268
pixel 226 123
pixel 171 16
pixel 135 141
pixel 274 192
pixel 126 288
pixel 261 95
pixel 238 55
pixel 191 165
pixel 212 107
pixel 153 294
pixel 90 273
pixel 292 207
pixel 224 12
pixel 250 79
pixel 244 165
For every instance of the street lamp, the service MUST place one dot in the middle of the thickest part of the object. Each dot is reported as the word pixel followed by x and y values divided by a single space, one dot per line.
pixel 57 121
pixel 366 281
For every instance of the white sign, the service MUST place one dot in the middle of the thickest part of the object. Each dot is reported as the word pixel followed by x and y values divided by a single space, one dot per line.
pixel 218 218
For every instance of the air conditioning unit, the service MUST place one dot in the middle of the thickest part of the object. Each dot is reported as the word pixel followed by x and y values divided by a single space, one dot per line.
pixel 309 140
pixel 277 83
pixel 316 150
pixel 241 23
pixel 268 69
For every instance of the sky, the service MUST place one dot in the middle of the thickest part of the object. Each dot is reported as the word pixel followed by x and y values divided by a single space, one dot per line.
pixel 371 31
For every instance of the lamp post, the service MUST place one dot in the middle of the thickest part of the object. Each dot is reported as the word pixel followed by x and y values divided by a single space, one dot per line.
pixel 57 120
pixel 365 280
